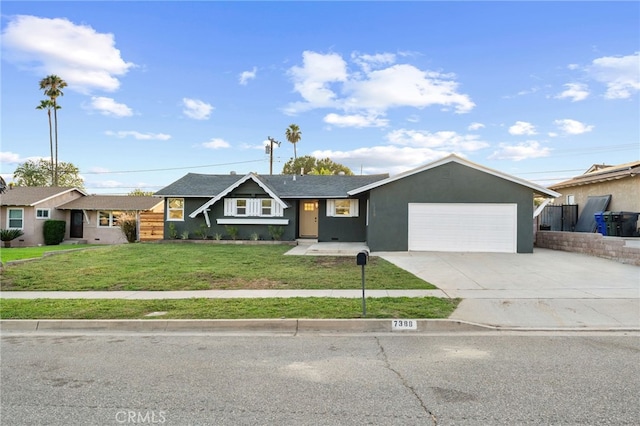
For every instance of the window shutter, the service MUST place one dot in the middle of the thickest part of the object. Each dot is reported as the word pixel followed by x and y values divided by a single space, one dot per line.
pixel 277 210
pixel 331 208
pixel 228 206
pixel 354 208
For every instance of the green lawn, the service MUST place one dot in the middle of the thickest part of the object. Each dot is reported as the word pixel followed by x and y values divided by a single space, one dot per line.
pixel 400 307
pixel 199 267
pixel 20 253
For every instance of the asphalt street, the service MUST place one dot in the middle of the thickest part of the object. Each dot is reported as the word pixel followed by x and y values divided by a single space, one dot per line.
pixel 495 378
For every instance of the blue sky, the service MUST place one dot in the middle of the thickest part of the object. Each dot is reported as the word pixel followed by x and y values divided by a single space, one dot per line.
pixel 539 90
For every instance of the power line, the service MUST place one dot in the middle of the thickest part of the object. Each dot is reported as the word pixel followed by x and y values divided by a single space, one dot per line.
pixel 172 168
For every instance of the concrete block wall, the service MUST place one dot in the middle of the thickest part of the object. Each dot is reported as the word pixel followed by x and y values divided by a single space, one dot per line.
pixel 613 248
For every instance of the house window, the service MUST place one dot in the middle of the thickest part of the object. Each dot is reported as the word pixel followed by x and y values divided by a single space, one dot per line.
pixel 342 208
pixel 43 213
pixel 241 208
pixel 266 207
pixel 571 199
pixel 108 219
pixel 176 209
pixel 252 207
pixel 15 219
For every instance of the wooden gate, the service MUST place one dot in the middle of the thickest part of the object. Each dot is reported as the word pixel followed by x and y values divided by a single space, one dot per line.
pixel 151 226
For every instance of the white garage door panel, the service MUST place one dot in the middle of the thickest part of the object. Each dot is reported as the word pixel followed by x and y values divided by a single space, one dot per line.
pixel 463 227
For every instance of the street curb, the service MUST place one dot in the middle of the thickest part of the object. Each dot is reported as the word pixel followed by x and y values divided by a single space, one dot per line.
pixel 284 326
pixel 287 326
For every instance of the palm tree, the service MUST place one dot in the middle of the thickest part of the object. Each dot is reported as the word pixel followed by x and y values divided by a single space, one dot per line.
pixel 293 135
pixel 52 85
pixel 48 105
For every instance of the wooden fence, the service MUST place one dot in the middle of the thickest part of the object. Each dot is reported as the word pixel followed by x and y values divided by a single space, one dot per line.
pixel 151 226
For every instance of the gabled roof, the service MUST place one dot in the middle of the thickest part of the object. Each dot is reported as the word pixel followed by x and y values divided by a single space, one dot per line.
pixel 112 202
pixel 33 195
pixel 452 158
pixel 233 186
pixel 601 174
pixel 283 186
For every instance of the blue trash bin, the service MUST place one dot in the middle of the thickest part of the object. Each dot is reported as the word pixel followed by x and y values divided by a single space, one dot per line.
pixel 601 226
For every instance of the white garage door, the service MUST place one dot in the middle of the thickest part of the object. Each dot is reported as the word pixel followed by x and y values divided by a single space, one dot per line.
pixel 463 227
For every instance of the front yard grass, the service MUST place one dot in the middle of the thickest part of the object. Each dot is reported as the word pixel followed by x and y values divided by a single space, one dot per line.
pixel 297 307
pixel 20 253
pixel 153 266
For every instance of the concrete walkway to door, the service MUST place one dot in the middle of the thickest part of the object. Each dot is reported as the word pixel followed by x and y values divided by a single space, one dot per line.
pixel 545 289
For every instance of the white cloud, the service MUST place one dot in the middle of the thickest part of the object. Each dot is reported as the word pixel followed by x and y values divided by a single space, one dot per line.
pixel 323 81
pixel 368 62
pixel 443 140
pixel 572 127
pixel 196 109
pixel 407 149
pixel 521 151
pixel 245 76
pixel 108 106
pixel 355 120
pixel 313 78
pixel 383 159
pixel 574 91
pixel 621 74
pixel 84 58
pixel 522 128
pixel 476 126
pixel 9 157
pixel 139 136
pixel 216 143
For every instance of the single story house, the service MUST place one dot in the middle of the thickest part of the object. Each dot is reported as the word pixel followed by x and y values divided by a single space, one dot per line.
pixel 95 218
pixel 448 205
pixel 90 218
pixel 28 207
pixel 621 182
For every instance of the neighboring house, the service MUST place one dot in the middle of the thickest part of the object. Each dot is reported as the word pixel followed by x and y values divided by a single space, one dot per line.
pixel 621 182
pixel 90 218
pixel 95 218
pixel 449 205
pixel 27 208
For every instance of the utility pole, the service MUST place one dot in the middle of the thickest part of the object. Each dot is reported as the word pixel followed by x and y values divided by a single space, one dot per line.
pixel 269 149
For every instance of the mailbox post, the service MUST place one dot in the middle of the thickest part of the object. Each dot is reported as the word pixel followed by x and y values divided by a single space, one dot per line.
pixel 361 259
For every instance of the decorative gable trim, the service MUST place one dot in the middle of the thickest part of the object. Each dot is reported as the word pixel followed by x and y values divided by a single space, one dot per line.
pixel 228 190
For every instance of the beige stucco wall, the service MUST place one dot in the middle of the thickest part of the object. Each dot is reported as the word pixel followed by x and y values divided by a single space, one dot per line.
pixel 32 227
pixel 100 235
pixel 625 194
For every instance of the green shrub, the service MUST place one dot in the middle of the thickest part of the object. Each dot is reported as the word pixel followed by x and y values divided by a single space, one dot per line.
pixel 53 231
pixel 7 235
pixel 232 231
pixel 276 232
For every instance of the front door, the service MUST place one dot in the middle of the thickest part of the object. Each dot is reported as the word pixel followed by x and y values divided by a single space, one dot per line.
pixel 309 219
pixel 75 231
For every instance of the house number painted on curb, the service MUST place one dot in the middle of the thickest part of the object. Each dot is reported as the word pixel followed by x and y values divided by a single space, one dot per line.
pixel 404 324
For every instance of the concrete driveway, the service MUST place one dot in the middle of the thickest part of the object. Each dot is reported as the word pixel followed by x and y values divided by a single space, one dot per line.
pixel 546 289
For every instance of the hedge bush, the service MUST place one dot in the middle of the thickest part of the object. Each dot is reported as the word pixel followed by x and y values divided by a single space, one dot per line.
pixel 54 231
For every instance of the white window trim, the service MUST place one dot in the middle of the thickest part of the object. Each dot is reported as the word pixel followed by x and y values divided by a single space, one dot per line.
pixel 43 217
pixel 169 209
pixel 353 208
pixel 9 218
pixel 253 207
pixel 111 218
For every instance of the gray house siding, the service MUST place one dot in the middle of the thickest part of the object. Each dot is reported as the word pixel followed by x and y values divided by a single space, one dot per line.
pixel 343 229
pixel 449 183
pixel 248 189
